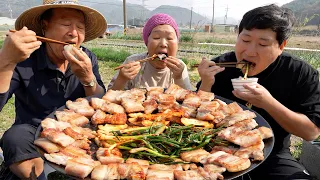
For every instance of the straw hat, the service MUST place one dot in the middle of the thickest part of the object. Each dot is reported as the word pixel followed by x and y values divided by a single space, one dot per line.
pixel 96 24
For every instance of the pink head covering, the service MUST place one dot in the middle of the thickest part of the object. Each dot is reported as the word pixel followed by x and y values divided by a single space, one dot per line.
pixel 158 19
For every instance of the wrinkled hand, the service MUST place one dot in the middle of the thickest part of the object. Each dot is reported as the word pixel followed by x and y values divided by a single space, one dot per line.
pixel 259 96
pixel 18 46
pixel 207 71
pixel 175 66
pixel 80 64
pixel 129 71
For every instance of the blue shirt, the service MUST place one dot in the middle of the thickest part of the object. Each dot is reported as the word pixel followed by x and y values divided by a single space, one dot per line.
pixel 40 87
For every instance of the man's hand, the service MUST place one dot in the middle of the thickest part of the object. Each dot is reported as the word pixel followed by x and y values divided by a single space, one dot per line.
pixel 80 65
pixel 207 71
pixel 175 66
pixel 259 96
pixel 18 46
pixel 129 71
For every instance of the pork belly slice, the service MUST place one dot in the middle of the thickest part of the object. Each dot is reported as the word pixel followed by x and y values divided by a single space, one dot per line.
pixel 111 96
pixel 244 138
pixel 227 149
pixel 209 175
pixel 103 172
pixel 237 117
pixel 230 162
pixel 101 117
pixel 132 171
pixel 57 137
pixel 144 164
pixel 80 167
pixel 150 105
pixel 192 100
pixel 165 167
pixel 194 155
pixel 156 174
pixel 239 127
pixel 74 134
pixel 206 109
pixel 49 123
pixel 106 106
pixel 97 103
pixel 188 112
pixel 80 106
pixel 106 157
pixel 74 152
pixel 212 168
pixel 188 175
pixel 154 92
pixel 83 144
pixel 230 108
pixel 264 132
pixel 205 96
pixel 71 117
pixel 57 158
pixel 87 132
pixel 255 152
pixel 178 92
pixel 47 145
pixel 131 105
pixel 137 95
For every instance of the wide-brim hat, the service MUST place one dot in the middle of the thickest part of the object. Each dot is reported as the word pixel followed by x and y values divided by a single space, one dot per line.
pixel 96 24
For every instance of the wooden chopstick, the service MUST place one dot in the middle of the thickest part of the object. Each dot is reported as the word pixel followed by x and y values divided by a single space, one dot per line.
pixel 141 60
pixel 223 64
pixel 46 39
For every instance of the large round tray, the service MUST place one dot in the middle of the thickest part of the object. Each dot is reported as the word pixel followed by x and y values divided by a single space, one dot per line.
pixel 269 143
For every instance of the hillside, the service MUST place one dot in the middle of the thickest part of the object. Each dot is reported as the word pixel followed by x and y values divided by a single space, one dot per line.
pixel 305 9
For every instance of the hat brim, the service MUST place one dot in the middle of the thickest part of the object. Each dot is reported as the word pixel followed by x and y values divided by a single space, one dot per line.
pixel 96 24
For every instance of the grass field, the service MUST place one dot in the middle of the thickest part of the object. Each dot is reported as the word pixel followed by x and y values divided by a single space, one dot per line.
pixel 111 56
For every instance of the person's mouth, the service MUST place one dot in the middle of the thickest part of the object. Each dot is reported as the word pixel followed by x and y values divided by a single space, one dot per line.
pixel 251 64
pixel 162 56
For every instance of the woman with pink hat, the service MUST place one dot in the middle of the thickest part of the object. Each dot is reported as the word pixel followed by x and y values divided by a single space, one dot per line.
pixel 43 75
pixel 161 36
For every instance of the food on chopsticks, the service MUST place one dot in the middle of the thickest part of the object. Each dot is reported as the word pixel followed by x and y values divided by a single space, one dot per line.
pixel 154 134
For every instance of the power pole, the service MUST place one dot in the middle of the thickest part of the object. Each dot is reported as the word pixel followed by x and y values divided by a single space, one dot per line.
pixel 191 17
pixel 124 18
pixel 226 16
pixel 212 16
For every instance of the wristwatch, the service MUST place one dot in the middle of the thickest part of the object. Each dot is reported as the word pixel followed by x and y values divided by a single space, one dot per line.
pixel 90 84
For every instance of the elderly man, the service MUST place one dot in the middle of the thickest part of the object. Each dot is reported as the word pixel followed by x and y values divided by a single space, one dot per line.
pixel 43 76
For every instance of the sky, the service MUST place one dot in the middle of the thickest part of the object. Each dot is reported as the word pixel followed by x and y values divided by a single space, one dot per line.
pixel 233 8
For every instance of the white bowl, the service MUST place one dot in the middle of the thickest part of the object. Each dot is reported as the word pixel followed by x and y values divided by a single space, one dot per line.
pixel 238 83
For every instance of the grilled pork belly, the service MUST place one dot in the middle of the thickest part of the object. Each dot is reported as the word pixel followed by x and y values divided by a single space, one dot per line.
pixel 192 100
pixel 212 168
pixel 131 171
pixel 71 117
pixel 205 96
pixel 47 145
pixel 178 92
pixel 49 123
pixel 154 92
pixel 88 133
pixel 105 172
pixel 236 117
pixel 255 152
pixel 106 157
pixel 239 127
pixel 131 105
pixel 97 103
pixel 230 162
pixel 137 95
pixel 57 158
pixel 101 117
pixel 83 144
pixel 150 105
pixel 227 149
pixel 264 132
pixel 157 174
pixel 75 135
pixel 194 156
pixel 80 106
pixel 206 109
pixel 187 175
pixel 111 96
pixel 80 167
pixel 57 137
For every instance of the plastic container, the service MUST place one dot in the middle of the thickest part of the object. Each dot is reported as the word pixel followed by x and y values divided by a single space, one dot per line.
pixel 238 83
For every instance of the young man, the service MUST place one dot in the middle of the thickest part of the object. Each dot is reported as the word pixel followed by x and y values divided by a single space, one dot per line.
pixel 43 76
pixel 288 90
